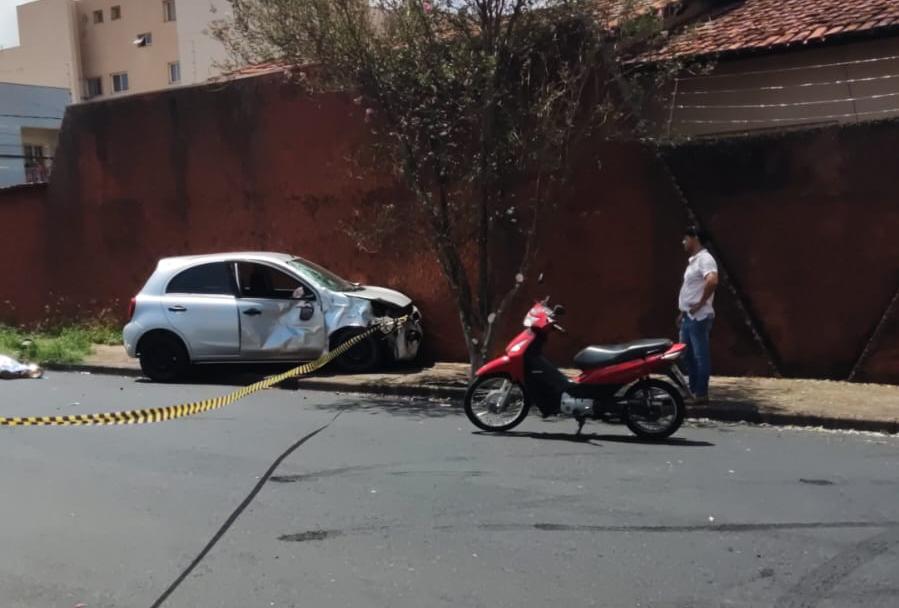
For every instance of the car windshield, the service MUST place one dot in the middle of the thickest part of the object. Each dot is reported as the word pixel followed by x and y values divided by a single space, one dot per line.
pixel 323 276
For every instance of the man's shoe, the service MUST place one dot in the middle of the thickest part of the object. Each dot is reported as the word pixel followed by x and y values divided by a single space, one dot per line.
pixel 701 400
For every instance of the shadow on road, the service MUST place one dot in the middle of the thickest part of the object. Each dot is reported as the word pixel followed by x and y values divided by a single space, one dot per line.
pixel 409 407
pixel 243 374
pixel 591 437
pixel 229 374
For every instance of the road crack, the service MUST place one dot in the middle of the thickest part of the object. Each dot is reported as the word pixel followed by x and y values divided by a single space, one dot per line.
pixel 223 529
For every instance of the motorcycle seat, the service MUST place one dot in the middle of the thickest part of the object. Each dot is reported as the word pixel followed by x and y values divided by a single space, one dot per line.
pixel 603 355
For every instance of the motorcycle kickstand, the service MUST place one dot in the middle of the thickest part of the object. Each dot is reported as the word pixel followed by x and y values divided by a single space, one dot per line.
pixel 581 421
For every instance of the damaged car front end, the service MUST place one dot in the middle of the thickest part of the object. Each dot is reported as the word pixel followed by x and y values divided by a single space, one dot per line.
pixel 351 312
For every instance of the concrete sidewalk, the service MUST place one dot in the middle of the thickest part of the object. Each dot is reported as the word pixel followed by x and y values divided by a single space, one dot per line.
pixel 841 405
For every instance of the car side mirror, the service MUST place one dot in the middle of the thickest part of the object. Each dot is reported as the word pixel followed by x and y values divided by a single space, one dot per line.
pixel 307 311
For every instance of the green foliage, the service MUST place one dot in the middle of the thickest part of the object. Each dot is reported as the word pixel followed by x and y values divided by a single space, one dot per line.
pixel 69 344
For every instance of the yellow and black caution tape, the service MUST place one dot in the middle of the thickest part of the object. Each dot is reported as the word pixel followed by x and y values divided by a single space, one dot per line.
pixel 171 412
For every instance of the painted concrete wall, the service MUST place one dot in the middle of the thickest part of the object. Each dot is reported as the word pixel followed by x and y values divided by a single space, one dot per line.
pixel 28 115
pixel 23 209
pixel 806 223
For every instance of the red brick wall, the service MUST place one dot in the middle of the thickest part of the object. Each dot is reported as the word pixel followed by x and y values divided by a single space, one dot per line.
pixel 256 165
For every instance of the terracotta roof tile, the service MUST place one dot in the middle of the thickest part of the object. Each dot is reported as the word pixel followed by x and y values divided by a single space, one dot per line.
pixel 763 24
pixel 257 69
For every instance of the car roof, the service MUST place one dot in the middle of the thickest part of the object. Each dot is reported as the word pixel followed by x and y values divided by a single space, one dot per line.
pixel 190 260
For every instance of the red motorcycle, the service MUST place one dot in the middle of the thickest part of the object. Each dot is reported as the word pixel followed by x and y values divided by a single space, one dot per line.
pixel 615 382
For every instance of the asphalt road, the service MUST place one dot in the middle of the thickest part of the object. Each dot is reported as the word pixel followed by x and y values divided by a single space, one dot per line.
pixel 400 503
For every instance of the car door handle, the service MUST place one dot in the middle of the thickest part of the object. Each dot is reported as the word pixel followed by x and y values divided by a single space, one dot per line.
pixel 177 308
pixel 252 312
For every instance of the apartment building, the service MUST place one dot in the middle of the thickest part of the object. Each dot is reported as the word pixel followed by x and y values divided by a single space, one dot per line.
pixel 103 48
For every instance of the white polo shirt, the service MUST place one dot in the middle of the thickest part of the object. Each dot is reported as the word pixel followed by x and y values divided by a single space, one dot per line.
pixel 699 267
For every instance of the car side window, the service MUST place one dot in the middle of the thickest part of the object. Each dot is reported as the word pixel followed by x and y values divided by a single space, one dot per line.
pixel 261 281
pixel 214 278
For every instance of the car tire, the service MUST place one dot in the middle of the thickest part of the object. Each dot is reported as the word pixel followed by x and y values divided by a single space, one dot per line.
pixel 163 357
pixel 363 357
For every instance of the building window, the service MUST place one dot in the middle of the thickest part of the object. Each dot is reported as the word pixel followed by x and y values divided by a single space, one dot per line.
pixel 98 16
pixel 35 164
pixel 115 13
pixel 168 10
pixel 120 82
pixel 93 87
pixel 175 72
pixel 144 39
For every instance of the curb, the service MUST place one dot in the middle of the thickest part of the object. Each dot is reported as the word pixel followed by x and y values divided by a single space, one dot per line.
pixel 721 414
pixel 724 414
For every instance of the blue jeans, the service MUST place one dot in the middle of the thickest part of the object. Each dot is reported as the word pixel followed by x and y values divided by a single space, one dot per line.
pixel 695 334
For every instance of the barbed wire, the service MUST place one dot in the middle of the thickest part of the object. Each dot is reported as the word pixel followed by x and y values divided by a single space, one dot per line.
pixel 746 121
pixel 816 66
pixel 785 104
pixel 786 87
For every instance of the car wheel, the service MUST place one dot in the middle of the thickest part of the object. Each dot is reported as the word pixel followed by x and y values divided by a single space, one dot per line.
pixel 163 357
pixel 363 357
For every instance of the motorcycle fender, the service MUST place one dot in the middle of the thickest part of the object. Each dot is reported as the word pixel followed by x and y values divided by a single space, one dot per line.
pixel 680 382
pixel 502 365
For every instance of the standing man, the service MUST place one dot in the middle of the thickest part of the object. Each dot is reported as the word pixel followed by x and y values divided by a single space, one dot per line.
pixel 697 296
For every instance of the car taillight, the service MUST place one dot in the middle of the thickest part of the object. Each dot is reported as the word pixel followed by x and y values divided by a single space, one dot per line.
pixel 131 306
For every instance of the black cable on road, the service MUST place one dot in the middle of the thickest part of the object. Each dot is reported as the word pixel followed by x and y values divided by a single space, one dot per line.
pixel 236 513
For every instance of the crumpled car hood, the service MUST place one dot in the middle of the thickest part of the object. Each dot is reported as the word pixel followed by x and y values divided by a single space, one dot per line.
pixel 383 294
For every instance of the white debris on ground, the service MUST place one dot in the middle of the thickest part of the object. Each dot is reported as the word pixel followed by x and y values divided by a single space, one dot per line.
pixel 10 369
pixel 708 423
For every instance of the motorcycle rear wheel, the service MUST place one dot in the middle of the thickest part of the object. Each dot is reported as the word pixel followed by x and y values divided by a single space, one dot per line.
pixel 484 408
pixel 661 410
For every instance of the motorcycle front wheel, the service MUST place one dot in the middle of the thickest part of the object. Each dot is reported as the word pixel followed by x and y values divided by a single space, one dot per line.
pixel 496 403
pixel 654 409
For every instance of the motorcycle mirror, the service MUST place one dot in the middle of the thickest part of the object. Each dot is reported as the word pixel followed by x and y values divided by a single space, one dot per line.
pixel 558 310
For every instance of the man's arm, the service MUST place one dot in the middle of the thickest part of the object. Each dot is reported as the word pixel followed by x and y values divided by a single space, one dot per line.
pixel 711 284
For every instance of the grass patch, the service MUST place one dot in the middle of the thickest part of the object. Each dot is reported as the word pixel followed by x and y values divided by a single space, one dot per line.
pixel 68 344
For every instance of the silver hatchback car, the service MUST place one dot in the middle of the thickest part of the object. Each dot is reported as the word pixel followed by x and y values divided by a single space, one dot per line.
pixel 259 307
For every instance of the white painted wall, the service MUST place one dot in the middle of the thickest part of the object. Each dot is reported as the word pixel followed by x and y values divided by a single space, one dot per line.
pixel 199 51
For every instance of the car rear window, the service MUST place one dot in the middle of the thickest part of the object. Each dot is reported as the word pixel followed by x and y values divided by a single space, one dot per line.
pixel 212 278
